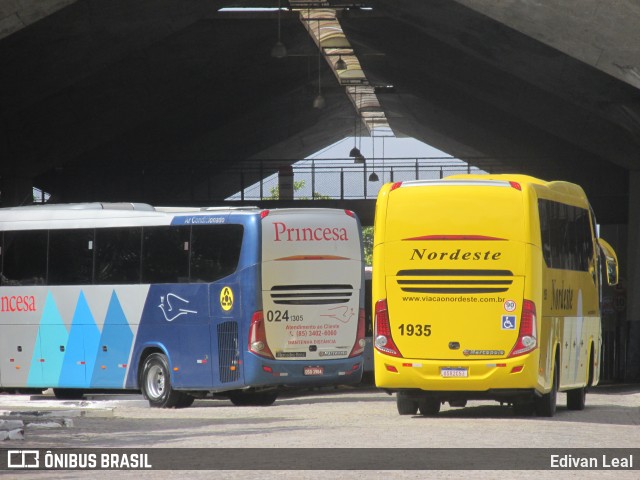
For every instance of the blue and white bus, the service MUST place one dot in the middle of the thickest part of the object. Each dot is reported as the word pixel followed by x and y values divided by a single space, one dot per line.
pixel 180 303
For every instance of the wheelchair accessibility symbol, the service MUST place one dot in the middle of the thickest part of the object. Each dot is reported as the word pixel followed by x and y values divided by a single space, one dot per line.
pixel 226 299
pixel 508 322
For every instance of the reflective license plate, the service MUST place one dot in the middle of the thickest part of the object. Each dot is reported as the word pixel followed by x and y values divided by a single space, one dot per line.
pixel 454 372
pixel 314 370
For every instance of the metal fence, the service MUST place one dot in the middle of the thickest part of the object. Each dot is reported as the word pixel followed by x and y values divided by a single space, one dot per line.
pixel 341 179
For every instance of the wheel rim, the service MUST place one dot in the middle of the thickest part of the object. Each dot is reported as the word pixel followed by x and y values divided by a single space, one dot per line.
pixel 155 382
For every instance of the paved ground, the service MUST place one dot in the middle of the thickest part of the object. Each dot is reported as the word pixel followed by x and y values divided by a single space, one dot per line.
pixel 344 418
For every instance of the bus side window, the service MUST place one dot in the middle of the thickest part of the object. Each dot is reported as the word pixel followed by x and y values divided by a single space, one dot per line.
pixel 24 258
pixel 70 257
pixel 565 236
pixel 165 254
pixel 215 251
pixel 117 255
pixel 545 232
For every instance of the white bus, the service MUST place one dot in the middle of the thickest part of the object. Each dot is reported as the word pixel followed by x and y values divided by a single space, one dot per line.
pixel 179 303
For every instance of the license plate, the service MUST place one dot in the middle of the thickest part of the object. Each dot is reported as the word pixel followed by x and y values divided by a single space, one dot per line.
pixel 313 371
pixel 454 372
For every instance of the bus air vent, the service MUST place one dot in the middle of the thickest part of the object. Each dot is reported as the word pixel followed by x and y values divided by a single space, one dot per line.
pixel 228 352
pixel 311 294
pixel 453 281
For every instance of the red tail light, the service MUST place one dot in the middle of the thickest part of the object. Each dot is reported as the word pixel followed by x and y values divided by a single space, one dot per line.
pixel 395 185
pixel 358 346
pixel 382 331
pixel 258 336
pixel 528 333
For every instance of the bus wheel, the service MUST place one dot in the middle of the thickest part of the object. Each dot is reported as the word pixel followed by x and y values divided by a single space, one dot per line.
pixel 546 404
pixel 406 406
pixel 68 393
pixel 156 383
pixel 253 399
pixel 428 406
pixel 576 398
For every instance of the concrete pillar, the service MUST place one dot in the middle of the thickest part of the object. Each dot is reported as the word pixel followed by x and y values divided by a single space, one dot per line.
pixel 15 191
pixel 633 290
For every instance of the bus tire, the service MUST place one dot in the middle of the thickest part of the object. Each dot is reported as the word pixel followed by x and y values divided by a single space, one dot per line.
pixel 576 398
pixel 68 393
pixel 428 406
pixel 156 383
pixel 253 399
pixel 406 406
pixel 546 404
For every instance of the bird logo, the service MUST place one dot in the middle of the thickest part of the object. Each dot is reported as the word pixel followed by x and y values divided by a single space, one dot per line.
pixel 171 312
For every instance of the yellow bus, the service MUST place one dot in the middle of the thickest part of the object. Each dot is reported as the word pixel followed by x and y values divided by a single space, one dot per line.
pixel 487 287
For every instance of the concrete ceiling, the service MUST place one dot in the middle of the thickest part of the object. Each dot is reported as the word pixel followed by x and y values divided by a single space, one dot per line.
pixel 160 100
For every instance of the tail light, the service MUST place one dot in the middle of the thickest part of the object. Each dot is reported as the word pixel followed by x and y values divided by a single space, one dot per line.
pixel 358 346
pixel 258 336
pixel 527 334
pixel 382 331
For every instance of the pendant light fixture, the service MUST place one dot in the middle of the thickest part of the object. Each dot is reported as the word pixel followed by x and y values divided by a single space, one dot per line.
pixel 319 101
pixel 374 176
pixel 355 151
pixel 279 50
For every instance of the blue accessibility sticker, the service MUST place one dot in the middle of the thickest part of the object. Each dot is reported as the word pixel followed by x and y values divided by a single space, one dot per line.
pixel 508 322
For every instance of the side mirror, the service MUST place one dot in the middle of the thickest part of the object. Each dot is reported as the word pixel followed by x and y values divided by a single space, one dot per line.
pixel 611 261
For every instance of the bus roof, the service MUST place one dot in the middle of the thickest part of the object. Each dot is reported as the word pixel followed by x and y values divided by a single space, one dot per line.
pixel 98 214
pixel 83 206
pixel 555 187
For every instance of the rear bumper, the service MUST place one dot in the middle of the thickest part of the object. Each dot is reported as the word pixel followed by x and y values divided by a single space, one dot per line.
pixel 498 394
pixel 508 376
pixel 264 372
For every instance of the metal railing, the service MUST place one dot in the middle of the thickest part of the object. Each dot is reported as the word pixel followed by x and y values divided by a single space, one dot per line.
pixel 256 180
pixel 337 178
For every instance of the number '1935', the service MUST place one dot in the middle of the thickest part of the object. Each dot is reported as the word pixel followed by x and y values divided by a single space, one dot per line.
pixel 418 330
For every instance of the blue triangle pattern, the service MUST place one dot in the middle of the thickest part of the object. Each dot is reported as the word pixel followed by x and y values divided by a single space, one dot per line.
pixel 83 339
pixel 113 348
pixel 52 329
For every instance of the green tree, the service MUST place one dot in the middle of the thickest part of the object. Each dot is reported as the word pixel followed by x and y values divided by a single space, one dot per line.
pixel 274 192
pixel 367 243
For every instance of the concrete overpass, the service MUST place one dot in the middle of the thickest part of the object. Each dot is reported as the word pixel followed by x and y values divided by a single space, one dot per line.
pixel 159 100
